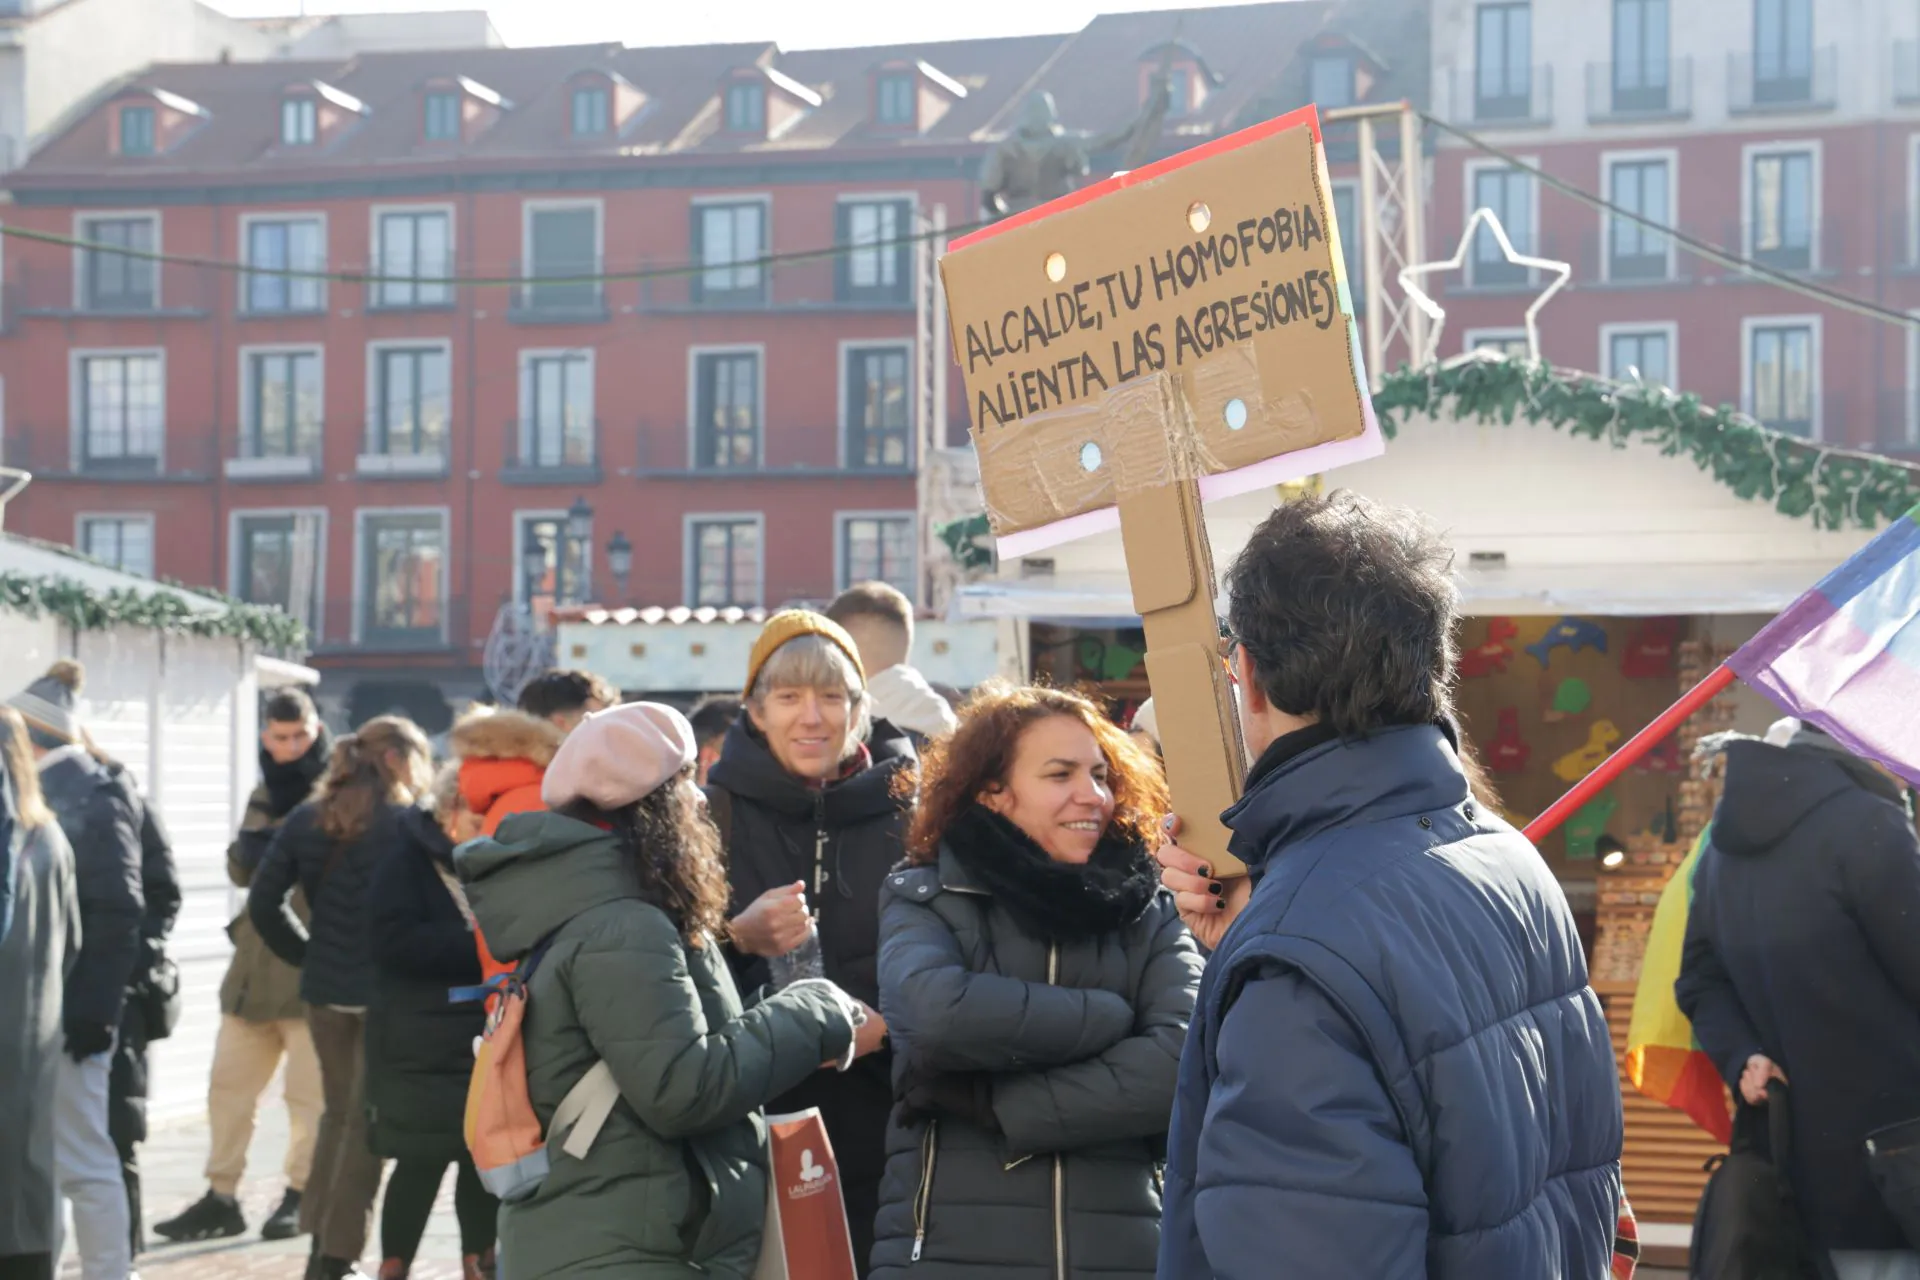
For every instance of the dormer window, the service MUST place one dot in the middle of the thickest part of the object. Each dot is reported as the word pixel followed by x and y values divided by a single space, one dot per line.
pixel 1180 95
pixel 443 117
pixel 895 98
pixel 1330 80
pixel 591 115
pixel 299 122
pixel 746 107
pixel 136 131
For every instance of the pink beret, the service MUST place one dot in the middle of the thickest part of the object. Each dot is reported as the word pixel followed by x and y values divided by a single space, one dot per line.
pixel 619 755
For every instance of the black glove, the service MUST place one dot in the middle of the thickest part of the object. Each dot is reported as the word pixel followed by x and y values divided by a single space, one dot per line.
pixel 964 1095
pixel 85 1039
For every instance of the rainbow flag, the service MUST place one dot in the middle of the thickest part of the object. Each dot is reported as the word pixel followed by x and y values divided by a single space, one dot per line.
pixel 1664 1061
pixel 1846 656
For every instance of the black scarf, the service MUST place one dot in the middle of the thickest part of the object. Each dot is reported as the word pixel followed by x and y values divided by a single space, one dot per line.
pixel 289 785
pixel 1059 901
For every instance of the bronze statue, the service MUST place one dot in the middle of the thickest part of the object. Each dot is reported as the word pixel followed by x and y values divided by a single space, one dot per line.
pixel 1040 160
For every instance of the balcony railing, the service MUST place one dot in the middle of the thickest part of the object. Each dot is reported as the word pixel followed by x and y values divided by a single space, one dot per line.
pixel 551 453
pixel 276 456
pixel 1804 83
pixel 879 278
pixel 1661 89
pixel 1632 257
pixel 133 288
pixel 54 452
pixel 416 285
pixel 1522 99
pixel 1816 247
pixel 397 460
pixel 1822 417
pixel 389 621
pixel 565 293
pixel 662 452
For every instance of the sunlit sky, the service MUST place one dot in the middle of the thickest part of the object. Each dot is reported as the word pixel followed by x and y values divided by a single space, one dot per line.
pixel 793 24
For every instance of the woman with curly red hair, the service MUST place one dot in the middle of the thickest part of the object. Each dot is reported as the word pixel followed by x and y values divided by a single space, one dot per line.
pixel 1037 983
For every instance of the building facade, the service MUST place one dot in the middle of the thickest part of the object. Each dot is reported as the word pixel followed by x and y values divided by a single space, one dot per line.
pixel 1784 131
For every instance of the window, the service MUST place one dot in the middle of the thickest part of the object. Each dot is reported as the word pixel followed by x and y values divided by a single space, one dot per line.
pixel 299 122
pixel 1640 66
pixel 1331 80
pixel 1511 343
pixel 1780 376
pixel 746 107
pixel 122 409
pixel 726 562
pixel 285 245
pixel 563 245
pixel 1503 62
pixel 125 542
pixel 728 241
pixel 111 277
pixel 1346 216
pixel 1782 50
pixel 875 270
pixel 564 573
pixel 283 405
pixel 403 565
pixel 590 111
pixel 416 257
pixel 879 419
pixel 1636 251
pixel 136 131
pixel 897 98
pixel 1781 211
pixel 1644 355
pixel 443 117
pixel 412 391
pixel 1179 92
pixel 1510 194
pixel 277 562
pixel 878 549
pixel 557 428
pixel 726 412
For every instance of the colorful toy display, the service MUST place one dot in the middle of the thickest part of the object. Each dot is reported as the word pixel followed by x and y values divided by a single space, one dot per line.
pixel 1651 649
pixel 1574 634
pixel 1585 828
pixel 1508 752
pixel 1493 656
pixel 1570 697
pixel 1602 736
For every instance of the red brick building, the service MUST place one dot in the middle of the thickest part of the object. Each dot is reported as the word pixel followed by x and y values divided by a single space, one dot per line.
pixel 393 458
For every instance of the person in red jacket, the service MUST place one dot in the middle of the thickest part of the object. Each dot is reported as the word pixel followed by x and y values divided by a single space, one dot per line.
pixel 502 757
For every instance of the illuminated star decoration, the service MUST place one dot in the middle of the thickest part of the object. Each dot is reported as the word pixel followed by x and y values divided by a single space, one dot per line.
pixel 1438 314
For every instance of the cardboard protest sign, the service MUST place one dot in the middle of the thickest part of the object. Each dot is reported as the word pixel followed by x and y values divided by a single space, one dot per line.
pixel 1175 334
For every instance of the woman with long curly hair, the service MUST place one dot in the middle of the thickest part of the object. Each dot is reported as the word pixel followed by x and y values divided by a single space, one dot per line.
pixel 1038 983
pixel 328 848
pixel 618 895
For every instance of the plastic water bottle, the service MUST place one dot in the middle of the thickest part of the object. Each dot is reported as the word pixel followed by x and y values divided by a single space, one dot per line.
pixel 804 961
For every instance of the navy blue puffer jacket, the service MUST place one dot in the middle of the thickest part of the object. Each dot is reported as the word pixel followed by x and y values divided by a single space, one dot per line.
pixel 1397 1068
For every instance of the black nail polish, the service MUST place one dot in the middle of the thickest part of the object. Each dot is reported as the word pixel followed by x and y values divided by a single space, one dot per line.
pixel 1216 889
pixel 1205 870
pixel 1219 904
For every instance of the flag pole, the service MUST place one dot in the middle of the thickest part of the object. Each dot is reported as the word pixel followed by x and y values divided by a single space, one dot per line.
pixel 1620 761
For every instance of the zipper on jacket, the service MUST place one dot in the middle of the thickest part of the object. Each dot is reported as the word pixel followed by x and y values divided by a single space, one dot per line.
pixel 1059 1161
pixel 819 847
pixel 924 1201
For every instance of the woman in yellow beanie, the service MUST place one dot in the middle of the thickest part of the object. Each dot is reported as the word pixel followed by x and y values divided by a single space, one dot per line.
pixel 805 796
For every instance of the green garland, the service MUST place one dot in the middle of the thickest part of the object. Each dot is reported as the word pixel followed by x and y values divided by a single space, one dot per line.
pixel 1835 488
pixel 85 609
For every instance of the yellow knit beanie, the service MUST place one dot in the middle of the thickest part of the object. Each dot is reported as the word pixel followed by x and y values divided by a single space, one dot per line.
pixel 791 624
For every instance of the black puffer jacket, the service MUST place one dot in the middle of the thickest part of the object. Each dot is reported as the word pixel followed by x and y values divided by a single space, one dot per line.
pixel 1803 943
pixel 419 1045
pixel 334 951
pixel 849 833
pixel 1080 1042
pixel 103 827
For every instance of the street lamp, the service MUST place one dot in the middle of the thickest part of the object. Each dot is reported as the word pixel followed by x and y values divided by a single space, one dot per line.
pixel 620 560
pixel 578 544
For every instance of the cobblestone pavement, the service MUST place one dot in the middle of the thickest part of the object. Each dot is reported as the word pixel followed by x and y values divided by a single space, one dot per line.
pixel 172 1164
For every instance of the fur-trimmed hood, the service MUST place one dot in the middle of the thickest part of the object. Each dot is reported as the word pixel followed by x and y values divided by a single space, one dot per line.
pixel 505 735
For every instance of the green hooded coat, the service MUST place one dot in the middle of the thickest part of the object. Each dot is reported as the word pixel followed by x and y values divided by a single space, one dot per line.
pixel 676 1184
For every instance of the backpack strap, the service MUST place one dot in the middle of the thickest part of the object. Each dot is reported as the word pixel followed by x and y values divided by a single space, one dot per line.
pixel 584 1111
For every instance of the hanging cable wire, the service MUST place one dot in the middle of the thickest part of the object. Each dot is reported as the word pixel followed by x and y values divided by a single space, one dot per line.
pixel 1699 248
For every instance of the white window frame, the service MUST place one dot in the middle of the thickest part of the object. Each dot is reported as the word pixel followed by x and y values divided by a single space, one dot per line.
pixel 726 103
pixel 528 208
pixel 81 217
pixel 1472 338
pixel 841 519
pixel 1470 178
pixel 374 217
pixel 317 626
pixel 311 105
pixel 239 466
pixel 250 220
pixel 522 427
pixel 76 399
pixel 360 517
pixel 367 462
pixel 1755 150
pixel 846 348
pixel 1670 216
pixel 1817 391
pixel 81 518
pixel 689 559
pixel 520 516
pixel 756 349
pixel 1668 329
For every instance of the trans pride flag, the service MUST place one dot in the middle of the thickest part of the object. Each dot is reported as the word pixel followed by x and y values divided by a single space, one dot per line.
pixel 1663 1060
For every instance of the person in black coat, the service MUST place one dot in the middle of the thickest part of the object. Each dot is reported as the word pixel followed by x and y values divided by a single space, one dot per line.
pixel 1802 961
pixel 419 1043
pixel 806 799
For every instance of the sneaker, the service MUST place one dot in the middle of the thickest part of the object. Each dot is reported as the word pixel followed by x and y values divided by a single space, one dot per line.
pixel 285 1222
pixel 211 1217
